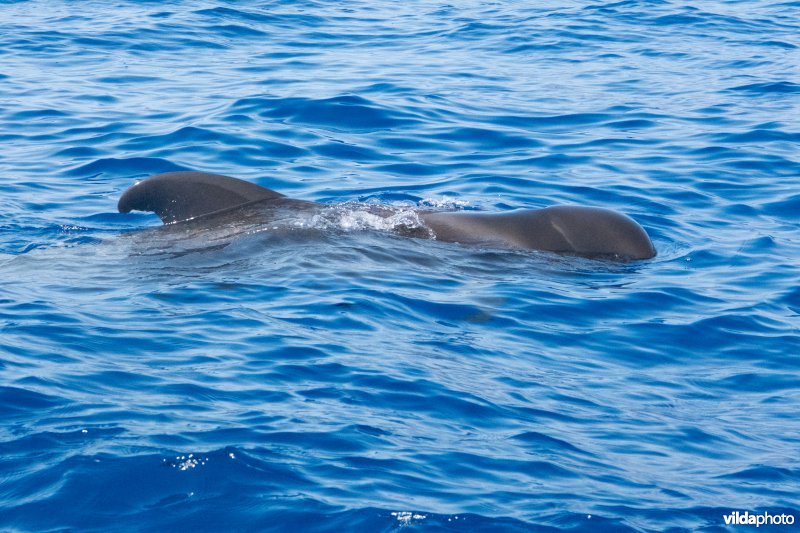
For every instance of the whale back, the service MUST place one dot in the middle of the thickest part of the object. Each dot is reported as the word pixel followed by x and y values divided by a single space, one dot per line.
pixel 178 196
pixel 580 230
pixel 586 231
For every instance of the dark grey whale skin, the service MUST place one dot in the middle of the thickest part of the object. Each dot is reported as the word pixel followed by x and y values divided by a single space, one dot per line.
pixel 576 230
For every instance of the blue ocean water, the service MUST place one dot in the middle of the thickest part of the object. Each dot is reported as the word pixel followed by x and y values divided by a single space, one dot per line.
pixel 342 377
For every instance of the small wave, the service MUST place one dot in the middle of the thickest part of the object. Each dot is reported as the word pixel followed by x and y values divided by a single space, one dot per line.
pixel 785 87
pixel 345 113
pixel 34 114
pixel 182 136
pixel 126 167
pixel 127 79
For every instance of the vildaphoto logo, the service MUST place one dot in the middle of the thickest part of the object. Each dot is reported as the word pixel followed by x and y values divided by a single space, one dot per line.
pixel 746 519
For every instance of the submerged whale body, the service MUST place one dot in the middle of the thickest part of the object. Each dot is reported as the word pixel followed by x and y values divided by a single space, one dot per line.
pixel 585 231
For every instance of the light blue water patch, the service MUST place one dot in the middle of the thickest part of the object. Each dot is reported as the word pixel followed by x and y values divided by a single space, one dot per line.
pixel 335 375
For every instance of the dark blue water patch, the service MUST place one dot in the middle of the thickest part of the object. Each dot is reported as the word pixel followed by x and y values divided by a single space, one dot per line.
pixel 187 135
pixel 22 238
pixel 85 240
pixel 758 136
pixel 486 139
pixel 94 42
pixel 93 133
pixel 788 208
pixel 343 112
pixel 785 87
pixel 714 152
pixel 411 144
pixel 680 20
pixel 553 161
pixel 778 44
pixel 765 473
pixel 238 118
pixel 411 169
pixel 288 20
pixel 769 163
pixel 80 152
pixel 340 150
pixel 649 52
pixel 547 444
pixel 236 31
pixel 136 166
pixel 155 482
pixel 16 401
pixel 555 122
pixel 182 496
pixel 613 143
pixel 36 114
pixel 127 79
pixel 758 383
pixel 633 124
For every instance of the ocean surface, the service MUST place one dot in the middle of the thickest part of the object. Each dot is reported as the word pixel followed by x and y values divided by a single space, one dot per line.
pixel 334 375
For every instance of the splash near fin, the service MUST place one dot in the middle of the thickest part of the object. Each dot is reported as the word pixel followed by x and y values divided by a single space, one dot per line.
pixel 178 196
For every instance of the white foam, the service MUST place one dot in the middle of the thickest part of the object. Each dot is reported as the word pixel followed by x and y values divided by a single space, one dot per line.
pixel 444 202
pixel 361 217
pixel 405 517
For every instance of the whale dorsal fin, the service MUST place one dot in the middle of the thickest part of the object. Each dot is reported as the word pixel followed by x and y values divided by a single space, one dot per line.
pixel 178 196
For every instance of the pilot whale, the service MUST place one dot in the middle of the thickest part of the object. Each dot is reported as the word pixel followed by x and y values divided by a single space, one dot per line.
pixel 178 197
